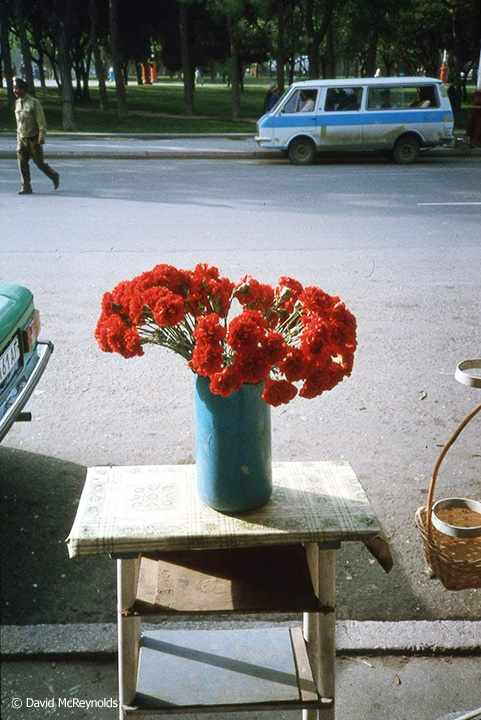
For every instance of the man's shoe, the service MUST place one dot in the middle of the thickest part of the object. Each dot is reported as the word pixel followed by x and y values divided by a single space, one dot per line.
pixel 56 182
pixel 25 191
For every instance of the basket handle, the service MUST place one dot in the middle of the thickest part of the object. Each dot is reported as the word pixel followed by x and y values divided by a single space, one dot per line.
pixel 452 439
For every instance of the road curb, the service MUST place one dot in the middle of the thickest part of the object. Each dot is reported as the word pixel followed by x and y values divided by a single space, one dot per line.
pixel 154 155
pixel 437 637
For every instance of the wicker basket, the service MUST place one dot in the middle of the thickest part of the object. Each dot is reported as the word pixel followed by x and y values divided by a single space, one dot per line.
pixel 455 560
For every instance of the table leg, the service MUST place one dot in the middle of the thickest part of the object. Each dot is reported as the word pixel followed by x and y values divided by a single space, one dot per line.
pixel 128 630
pixel 319 628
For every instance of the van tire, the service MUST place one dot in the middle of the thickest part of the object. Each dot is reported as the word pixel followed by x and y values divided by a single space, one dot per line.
pixel 405 150
pixel 302 151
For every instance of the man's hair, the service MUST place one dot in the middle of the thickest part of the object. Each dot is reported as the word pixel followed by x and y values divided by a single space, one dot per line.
pixel 21 84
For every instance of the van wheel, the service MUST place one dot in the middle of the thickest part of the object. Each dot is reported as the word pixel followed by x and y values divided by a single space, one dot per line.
pixel 405 150
pixel 302 151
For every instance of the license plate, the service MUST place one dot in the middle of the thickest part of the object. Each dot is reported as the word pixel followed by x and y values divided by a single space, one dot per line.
pixel 9 359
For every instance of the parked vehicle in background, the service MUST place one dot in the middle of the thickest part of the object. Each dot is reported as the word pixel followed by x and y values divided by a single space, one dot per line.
pixel 22 357
pixel 399 116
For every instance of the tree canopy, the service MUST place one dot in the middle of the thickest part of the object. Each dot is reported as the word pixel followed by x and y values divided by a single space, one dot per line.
pixel 318 38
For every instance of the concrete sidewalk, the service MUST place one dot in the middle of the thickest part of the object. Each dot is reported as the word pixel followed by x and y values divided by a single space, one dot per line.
pixel 143 146
pixel 385 671
pixel 234 146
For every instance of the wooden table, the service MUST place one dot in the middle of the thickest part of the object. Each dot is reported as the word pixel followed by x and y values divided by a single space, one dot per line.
pixel 176 556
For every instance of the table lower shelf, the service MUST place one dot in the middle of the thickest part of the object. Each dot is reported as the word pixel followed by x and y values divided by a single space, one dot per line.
pixel 224 670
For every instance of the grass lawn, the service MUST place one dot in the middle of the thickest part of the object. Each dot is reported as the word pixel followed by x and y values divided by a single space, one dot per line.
pixel 152 109
pixel 159 109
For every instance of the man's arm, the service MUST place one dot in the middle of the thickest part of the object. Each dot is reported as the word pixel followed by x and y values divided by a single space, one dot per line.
pixel 40 120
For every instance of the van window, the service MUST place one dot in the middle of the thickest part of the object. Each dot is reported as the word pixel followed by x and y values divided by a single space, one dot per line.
pixel 343 98
pixel 301 101
pixel 402 97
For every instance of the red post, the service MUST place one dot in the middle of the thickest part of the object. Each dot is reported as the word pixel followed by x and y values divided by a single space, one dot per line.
pixel 443 71
pixel 153 71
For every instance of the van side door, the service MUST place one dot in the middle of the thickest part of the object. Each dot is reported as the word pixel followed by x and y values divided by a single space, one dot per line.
pixel 339 119
pixel 297 116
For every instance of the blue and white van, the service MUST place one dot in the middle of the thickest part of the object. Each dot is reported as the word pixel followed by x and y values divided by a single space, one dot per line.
pixel 398 115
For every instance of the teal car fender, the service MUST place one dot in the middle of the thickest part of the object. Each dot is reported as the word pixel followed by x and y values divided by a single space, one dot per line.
pixel 23 357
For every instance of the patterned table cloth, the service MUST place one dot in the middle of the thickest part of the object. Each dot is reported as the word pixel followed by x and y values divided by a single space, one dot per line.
pixel 152 508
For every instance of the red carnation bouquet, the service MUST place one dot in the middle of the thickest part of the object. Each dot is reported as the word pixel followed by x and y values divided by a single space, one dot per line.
pixel 280 336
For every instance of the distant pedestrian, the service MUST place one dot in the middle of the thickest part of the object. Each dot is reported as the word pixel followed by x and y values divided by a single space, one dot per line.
pixel 31 131
pixel 198 77
pixel 272 96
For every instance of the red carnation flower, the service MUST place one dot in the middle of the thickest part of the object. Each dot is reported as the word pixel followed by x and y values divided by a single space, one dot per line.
pixel 275 347
pixel 113 335
pixel 342 326
pixel 207 358
pixel 315 336
pixel 252 367
pixel 167 307
pixel 209 327
pixel 246 330
pixel 315 300
pixel 163 276
pixel 226 382
pixel 294 366
pixel 278 392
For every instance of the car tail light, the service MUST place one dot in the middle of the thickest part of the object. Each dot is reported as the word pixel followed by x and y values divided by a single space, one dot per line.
pixel 31 332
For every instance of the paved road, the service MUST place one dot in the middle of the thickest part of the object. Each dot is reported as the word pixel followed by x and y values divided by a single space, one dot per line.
pixel 400 245
pixel 235 145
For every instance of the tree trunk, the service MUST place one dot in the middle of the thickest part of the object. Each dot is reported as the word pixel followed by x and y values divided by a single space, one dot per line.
pixel 7 61
pixel 312 45
pixel 292 69
pixel 117 59
pixel 330 53
pixel 41 69
pixel 187 69
pixel 99 67
pixel 22 33
pixel 280 46
pixel 316 36
pixel 370 61
pixel 36 44
pixel 65 68
pixel 86 76
pixel 234 53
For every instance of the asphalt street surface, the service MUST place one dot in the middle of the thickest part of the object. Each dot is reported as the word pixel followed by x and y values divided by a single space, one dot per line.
pixel 400 245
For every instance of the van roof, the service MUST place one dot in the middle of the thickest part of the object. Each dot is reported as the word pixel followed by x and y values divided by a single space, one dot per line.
pixel 349 82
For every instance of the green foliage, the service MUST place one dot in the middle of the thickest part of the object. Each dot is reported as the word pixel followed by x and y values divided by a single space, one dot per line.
pixel 152 109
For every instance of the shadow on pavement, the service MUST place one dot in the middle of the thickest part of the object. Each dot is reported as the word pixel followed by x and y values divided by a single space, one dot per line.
pixel 40 584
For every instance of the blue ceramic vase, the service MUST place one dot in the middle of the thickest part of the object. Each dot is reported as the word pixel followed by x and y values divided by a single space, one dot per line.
pixel 233 447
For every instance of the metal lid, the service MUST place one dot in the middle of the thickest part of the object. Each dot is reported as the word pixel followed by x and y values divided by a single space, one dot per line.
pixel 473 380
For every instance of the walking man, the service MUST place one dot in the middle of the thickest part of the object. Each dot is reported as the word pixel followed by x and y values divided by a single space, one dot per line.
pixel 31 131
